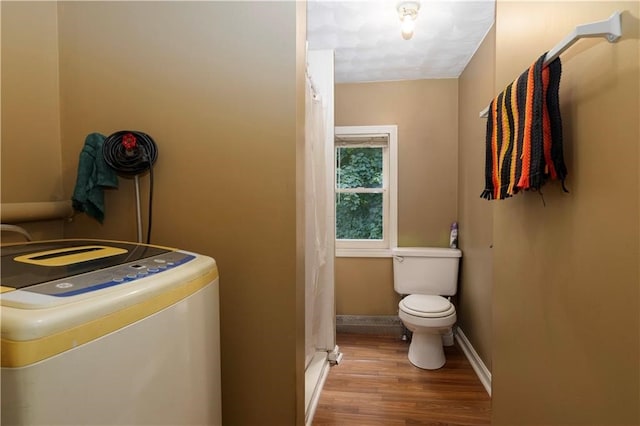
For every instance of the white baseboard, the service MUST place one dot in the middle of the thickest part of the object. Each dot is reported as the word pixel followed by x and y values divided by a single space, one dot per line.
pixel 476 362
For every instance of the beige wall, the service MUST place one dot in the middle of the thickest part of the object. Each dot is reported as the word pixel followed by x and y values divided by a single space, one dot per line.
pixel 426 114
pixel 222 99
pixel 31 158
pixel 364 286
pixel 566 282
pixel 475 214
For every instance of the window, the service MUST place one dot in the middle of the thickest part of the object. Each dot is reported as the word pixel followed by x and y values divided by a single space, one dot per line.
pixel 365 190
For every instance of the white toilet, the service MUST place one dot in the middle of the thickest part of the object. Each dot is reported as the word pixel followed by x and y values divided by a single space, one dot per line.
pixel 425 275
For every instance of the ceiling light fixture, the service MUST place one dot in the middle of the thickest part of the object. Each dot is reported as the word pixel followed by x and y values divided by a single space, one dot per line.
pixel 408 12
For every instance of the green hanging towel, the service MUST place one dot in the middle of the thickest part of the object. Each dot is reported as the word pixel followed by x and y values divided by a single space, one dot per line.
pixel 93 176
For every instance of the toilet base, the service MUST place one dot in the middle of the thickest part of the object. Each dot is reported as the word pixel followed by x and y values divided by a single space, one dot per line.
pixel 426 351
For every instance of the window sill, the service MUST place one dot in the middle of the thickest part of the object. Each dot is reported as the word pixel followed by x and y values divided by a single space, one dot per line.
pixel 382 252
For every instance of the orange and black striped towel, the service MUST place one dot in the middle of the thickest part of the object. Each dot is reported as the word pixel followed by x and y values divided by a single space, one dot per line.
pixel 524 134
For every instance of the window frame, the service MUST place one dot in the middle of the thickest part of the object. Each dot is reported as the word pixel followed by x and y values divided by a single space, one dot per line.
pixel 373 248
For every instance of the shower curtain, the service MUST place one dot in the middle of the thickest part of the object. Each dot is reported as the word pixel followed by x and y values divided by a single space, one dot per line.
pixel 319 332
pixel 320 316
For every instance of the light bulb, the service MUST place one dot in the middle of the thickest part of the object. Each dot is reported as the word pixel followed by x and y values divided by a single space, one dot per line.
pixel 408 12
pixel 407 27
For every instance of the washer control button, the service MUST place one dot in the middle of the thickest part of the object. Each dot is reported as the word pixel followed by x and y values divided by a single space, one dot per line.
pixel 64 285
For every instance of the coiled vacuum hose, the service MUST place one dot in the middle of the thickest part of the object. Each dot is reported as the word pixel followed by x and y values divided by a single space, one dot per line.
pixel 131 153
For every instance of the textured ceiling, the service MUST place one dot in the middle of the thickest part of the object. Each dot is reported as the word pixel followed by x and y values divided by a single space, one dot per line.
pixel 368 45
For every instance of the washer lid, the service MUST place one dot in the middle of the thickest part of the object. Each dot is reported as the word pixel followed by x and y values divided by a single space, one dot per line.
pixel 28 264
pixel 426 305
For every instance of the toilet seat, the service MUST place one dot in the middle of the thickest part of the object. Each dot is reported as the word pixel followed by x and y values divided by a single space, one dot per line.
pixel 426 306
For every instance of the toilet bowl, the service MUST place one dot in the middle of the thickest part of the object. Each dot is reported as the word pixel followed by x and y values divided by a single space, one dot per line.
pixel 424 275
pixel 429 318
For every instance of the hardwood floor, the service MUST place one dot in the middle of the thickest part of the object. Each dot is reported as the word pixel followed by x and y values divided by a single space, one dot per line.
pixel 375 384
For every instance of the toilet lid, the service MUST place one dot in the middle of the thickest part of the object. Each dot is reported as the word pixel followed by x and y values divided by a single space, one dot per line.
pixel 423 305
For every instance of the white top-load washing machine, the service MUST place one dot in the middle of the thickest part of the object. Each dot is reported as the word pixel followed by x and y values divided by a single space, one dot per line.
pixel 108 333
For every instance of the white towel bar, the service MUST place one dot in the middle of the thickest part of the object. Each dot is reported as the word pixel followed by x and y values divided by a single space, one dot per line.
pixel 33 212
pixel 610 28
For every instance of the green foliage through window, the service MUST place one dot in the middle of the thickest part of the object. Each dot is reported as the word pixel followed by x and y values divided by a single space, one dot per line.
pixel 359 167
pixel 359 213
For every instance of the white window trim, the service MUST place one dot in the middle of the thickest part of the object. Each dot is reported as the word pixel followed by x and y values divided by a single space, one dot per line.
pixel 392 226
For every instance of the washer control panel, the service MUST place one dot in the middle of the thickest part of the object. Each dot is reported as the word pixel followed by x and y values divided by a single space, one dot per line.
pixel 112 276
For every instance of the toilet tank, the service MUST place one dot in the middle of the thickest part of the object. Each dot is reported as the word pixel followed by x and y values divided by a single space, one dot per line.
pixel 426 270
